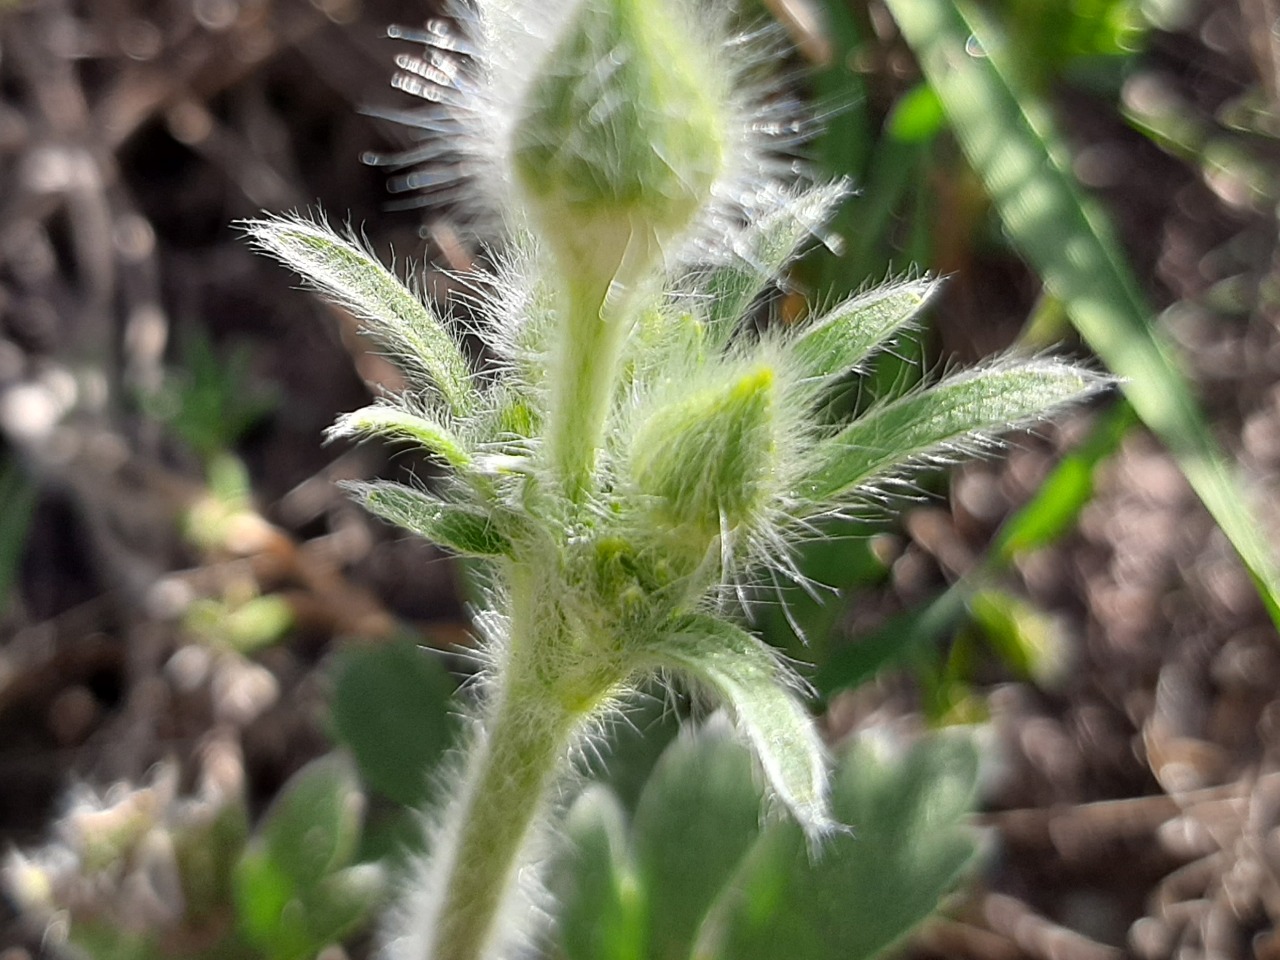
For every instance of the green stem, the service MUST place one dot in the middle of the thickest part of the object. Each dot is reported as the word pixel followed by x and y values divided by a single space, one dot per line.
pixel 520 755
pixel 584 376
pixel 545 697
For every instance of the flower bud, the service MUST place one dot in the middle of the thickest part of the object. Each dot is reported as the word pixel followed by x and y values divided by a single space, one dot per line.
pixel 708 460
pixel 621 139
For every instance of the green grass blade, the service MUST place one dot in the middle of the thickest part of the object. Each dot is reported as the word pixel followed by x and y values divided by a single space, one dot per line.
pixel 1056 506
pixel 1007 137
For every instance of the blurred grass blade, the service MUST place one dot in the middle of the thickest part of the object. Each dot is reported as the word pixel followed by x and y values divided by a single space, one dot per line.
pixel 1026 638
pixel 1047 516
pixel 1057 504
pixel 1008 139
pixel 902 638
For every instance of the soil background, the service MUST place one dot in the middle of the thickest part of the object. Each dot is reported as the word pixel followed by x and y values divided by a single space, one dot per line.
pixel 1134 803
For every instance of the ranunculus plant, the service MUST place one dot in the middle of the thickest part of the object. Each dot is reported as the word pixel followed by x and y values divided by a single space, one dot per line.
pixel 636 453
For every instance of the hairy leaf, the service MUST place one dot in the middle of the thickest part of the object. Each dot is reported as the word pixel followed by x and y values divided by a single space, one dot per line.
pixel 697 818
pixel 381 420
pixel 314 825
pixel 959 414
pixel 746 675
pixel 869 888
pixel 357 281
pixel 462 530
pixel 602 910
pixel 391 709
pixel 846 335
pixel 760 254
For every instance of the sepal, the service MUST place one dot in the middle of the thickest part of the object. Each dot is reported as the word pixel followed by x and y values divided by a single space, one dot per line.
pixel 707 460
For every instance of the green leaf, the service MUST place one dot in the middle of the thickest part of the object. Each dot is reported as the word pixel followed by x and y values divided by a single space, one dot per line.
pixel 355 280
pixel 269 909
pixel 959 414
pixel 287 894
pixel 207 845
pixel 847 334
pixel 313 826
pixel 462 530
pixel 602 909
pixel 391 710
pixel 211 399
pixel 343 901
pixel 867 889
pixel 696 819
pixel 760 253
pixel 747 677
pixel 382 420
pixel 902 638
pixel 285 922
pixel 1007 137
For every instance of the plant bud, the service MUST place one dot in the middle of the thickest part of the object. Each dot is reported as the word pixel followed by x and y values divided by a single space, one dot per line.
pixel 708 460
pixel 621 139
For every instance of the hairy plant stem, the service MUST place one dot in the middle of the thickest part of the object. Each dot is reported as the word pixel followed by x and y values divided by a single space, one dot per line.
pixel 542 704
pixel 585 375
pixel 520 755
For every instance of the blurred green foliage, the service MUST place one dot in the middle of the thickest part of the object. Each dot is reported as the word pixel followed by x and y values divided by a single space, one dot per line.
pixel 694 873
pixel 210 398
